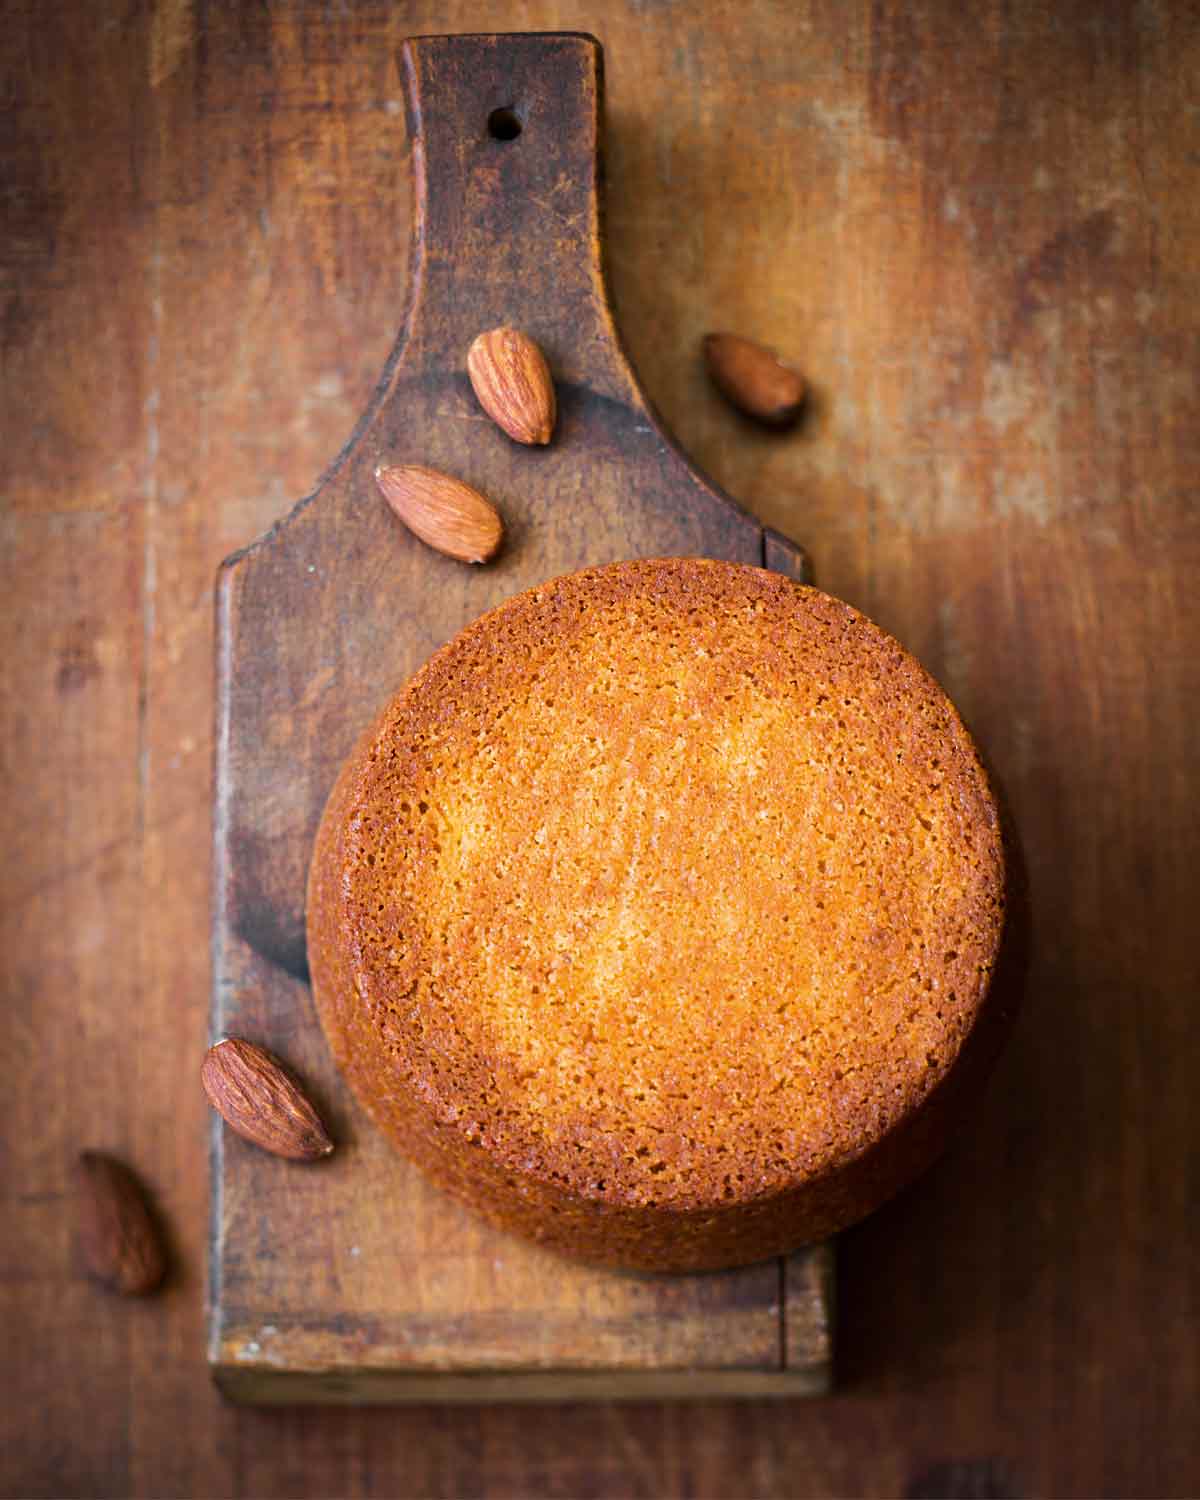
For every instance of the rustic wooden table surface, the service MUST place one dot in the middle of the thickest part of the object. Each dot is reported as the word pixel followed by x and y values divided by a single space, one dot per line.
pixel 977 229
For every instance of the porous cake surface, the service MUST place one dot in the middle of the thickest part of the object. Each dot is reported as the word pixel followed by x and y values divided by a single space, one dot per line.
pixel 665 893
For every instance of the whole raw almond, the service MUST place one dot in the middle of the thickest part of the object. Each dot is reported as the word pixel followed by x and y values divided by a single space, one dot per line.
pixel 253 1094
pixel 120 1242
pixel 445 513
pixel 754 379
pixel 511 378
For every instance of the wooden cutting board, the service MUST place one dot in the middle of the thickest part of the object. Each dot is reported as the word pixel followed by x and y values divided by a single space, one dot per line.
pixel 354 1280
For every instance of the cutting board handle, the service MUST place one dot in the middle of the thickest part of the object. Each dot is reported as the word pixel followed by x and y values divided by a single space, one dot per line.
pixel 505 134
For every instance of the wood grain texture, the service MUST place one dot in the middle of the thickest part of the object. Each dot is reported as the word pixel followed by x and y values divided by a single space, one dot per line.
pixel 378 1283
pixel 977 233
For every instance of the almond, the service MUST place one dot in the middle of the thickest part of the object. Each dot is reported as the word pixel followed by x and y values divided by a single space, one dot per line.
pixel 754 379
pixel 253 1094
pixel 511 378
pixel 445 513
pixel 120 1242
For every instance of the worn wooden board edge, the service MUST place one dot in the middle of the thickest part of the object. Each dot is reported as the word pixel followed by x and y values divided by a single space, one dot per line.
pixel 245 1373
pixel 248 1372
pixel 274 1339
pixel 266 1387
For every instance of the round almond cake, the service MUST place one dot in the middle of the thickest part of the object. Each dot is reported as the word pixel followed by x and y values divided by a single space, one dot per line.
pixel 656 917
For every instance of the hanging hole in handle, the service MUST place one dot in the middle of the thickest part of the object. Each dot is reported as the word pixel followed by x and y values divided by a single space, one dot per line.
pixel 503 124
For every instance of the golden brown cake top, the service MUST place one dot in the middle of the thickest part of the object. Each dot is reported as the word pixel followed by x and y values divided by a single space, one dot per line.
pixel 672 882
